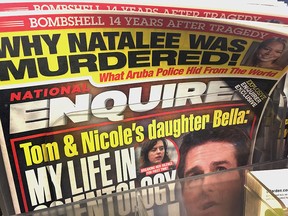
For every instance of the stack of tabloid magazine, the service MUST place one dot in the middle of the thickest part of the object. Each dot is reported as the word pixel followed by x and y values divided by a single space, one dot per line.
pixel 103 97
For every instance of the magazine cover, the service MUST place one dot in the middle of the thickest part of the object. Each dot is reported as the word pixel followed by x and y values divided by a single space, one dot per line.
pixel 98 103
pixel 264 11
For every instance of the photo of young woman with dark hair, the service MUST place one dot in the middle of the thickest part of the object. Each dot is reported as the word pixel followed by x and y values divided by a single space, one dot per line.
pixel 155 158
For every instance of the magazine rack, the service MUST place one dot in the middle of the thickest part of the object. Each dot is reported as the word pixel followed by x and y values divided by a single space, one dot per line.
pixel 84 94
pixel 159 199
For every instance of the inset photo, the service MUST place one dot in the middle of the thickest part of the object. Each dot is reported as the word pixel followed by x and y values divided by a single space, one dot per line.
pixel 270 54
pixel 156 156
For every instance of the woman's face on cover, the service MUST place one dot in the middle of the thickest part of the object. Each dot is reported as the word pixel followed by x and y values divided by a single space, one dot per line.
pixel 270 52
pixel 213 195
pixel 156 154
